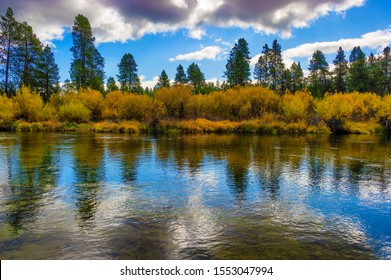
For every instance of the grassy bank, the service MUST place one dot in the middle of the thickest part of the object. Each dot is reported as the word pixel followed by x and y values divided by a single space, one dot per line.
pixel 197 126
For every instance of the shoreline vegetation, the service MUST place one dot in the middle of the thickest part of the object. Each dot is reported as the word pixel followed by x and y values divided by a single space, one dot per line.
pixel 174 110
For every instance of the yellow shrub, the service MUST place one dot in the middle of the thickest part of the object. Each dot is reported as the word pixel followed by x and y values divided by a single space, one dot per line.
pixel 74 112
pixel 136 107
pixel 366 105
pixel 28 105
pixel 174 100
pixel 114 101
pixel 7 111
pixel 93 100
pixel 49 113
pixel 295 106
pixel 198 106
pixel 337 106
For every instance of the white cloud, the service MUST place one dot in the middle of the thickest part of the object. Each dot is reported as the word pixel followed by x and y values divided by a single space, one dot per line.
pixel 210 52
pixel 148 83
pixel 374 40
pixel 118 20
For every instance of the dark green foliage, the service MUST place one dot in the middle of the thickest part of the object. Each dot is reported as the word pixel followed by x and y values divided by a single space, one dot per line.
pixel 128 77
pixel 261 70
pixel 340 71
pixel 87 67
pixel 238 64
pixel 374 71
pixel 385 65
pixel 195 76
pixel 180 76
pixel 48 74
pixel 297 77
pixel 9 42
pixel 358 72
pixel 270 69
pixel 111 85
pixel 319 81
pixel 163 80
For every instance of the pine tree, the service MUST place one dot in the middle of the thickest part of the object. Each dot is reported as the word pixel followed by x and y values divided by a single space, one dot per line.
pixel 48 74
pixel 111 85
pixel 358 72
pixel 238 64
pixel 261 70
pixel 9 41
pixel 340 71
pixel 180 76
pixel 87 67
pixel 297 81
pixel 28 55
pixel 319 77
pixel 286 81
pixel 386 71
pixel 195 76
pixel 276 66
pixel 128 77
pixel 375 74
pixel 163 80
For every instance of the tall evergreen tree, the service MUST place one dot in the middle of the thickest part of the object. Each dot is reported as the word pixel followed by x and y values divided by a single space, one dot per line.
pixel 261 70
pixel 238 64
pixel 111 85
pixel 276 66
pixel 354 54
pixel 28 55
pixel 386 71
pixel 48 74
pixel 87 67
pixel 375 74
pixel 319 76
pixel 358 72
pixel 163 80
pixel 195 76
pixel 180 76
pixel 9 41
pixel 128 77
pixel 297 80
pixel 340 71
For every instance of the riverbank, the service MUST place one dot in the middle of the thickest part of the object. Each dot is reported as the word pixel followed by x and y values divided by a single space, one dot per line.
pixel 197 126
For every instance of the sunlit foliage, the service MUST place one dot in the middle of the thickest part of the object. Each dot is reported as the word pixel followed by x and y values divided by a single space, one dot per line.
pixel 28 105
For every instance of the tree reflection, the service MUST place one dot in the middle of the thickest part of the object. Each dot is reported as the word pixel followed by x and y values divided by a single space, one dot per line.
pixel 33 174
pixel 88 154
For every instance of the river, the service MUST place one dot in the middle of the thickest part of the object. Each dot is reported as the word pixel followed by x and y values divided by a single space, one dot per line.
pixel 115 196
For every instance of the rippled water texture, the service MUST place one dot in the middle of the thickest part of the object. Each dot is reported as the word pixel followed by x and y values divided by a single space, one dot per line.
pixel 94 196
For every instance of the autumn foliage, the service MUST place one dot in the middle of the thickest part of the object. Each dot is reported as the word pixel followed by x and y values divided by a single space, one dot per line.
pixel 238 109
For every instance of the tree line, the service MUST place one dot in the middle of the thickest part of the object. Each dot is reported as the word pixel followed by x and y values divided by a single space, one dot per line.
pixel 26 61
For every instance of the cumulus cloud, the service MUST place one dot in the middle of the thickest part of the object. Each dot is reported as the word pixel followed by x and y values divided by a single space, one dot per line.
pixel 148 83
pixel 117 20
pixel 210 52
pixel 374 40
pixel 377 40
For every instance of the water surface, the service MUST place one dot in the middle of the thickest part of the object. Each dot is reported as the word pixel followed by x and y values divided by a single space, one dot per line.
pixel 103 196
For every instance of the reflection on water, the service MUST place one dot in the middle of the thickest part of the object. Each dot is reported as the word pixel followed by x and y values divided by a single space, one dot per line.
pixel 75 196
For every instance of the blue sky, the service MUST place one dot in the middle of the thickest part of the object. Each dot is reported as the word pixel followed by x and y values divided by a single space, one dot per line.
pixel 163 34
